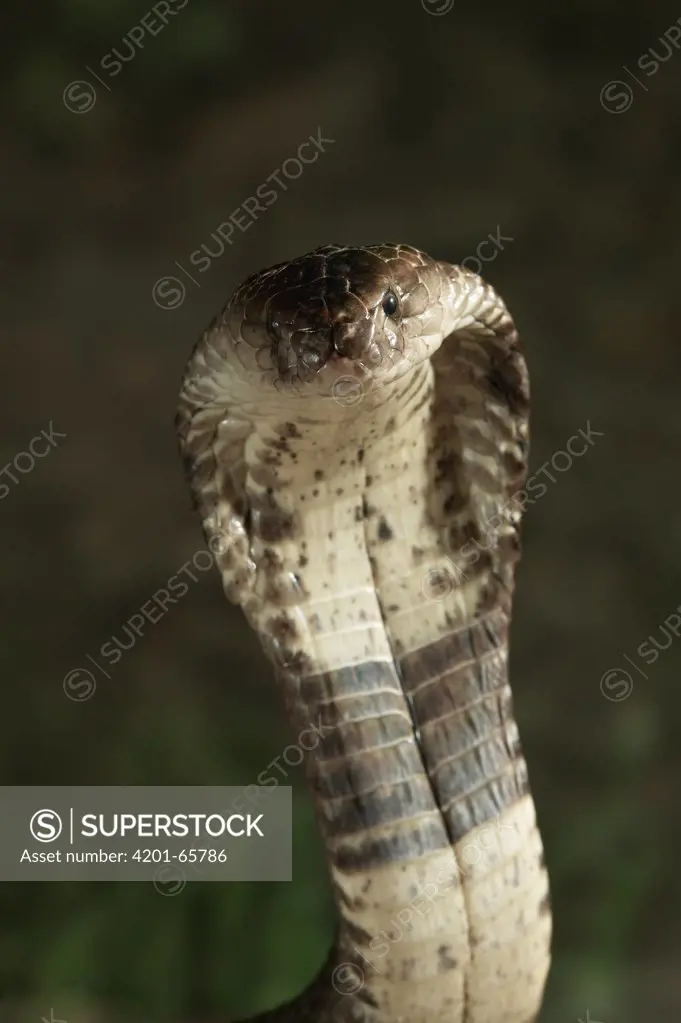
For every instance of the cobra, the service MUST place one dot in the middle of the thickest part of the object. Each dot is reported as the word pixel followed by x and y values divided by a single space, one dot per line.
pixel 354 426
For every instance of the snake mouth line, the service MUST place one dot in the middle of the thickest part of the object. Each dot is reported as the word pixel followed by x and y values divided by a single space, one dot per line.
pixel 360 376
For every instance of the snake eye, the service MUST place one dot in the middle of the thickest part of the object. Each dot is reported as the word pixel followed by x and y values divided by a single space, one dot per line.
pixel 390 303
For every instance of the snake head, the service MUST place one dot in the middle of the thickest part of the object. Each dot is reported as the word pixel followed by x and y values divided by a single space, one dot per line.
pixel 336 311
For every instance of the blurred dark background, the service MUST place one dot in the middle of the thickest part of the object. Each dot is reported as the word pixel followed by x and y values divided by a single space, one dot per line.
pixel 446 128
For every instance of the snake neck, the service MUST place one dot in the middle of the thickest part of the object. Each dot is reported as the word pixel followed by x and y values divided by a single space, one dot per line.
pixel 418 778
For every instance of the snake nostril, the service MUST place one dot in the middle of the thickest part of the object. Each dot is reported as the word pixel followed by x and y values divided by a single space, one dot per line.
pixel 349 340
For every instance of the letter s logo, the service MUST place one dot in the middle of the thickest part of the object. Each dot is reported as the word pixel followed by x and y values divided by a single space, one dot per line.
pixel 45 825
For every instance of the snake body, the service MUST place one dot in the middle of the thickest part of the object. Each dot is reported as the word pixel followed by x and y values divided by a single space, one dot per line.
pixel 354 426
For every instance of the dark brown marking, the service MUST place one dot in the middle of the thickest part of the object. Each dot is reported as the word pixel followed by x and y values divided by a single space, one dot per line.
pixel 384 530
pixel 352 816
pixel 407 970
pixel 282 629
pixel 377 852
pixel 269 521
pixel 365 995
pixel 445 960
pixel 361 678
pixel 271 560
pixel 508 380
pixel 367 509
pixel 356 933
pixel 292 665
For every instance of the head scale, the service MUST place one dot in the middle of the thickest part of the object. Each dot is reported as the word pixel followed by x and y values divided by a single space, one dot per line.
pixel 336 310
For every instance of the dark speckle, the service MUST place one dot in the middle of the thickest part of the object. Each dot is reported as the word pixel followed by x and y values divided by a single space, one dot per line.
pixel 363 995
pixel 367 510
pixel 270 560
pixel 384 530
pixel 360 456
pixel 282 629
pixel 445 960
pixel 407 970
pixel 446 467
pixel 359 514
pixel 319 474
pixel 296 662
pixel 269 521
